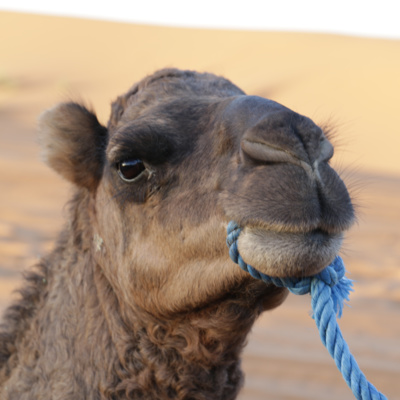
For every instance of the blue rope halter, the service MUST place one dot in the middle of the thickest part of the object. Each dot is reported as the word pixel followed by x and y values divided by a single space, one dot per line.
pixel 328 291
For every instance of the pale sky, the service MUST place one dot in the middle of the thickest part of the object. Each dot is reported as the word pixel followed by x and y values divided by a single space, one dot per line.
pixel 378 18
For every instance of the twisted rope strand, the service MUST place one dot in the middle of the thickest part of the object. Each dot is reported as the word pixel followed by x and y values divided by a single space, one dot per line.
pixel 328 291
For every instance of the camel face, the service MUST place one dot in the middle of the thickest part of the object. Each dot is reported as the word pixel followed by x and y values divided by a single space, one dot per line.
pixel 185 154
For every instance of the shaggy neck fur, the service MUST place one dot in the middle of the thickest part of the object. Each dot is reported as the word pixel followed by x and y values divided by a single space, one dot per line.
pixel 69 335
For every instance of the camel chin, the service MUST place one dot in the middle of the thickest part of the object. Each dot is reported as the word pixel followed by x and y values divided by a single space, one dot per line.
pixel 288 254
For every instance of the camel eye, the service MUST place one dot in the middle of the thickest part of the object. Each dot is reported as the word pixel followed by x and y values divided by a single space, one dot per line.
pixel 129 170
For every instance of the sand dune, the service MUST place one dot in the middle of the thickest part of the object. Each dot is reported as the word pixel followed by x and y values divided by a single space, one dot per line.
pixel 352 82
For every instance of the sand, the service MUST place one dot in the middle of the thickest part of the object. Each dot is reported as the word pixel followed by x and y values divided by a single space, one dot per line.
pixel 353 83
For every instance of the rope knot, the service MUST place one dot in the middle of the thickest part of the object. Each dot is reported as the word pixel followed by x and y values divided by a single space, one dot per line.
pixel 333 273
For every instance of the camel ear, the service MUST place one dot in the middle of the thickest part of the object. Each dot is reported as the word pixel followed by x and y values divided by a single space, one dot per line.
pixel 73 143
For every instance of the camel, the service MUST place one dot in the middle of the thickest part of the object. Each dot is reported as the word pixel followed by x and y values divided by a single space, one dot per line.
pixel 139 299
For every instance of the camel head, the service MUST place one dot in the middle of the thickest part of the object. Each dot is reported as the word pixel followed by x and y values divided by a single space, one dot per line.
pixel 182 155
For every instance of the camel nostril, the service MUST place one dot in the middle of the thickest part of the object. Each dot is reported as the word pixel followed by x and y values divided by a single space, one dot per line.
pixel 264 152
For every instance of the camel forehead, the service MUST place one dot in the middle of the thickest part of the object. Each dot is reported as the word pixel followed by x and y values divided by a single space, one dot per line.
pixel 169 86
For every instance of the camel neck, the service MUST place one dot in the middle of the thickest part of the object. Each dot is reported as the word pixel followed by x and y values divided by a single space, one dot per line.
pixel 190 356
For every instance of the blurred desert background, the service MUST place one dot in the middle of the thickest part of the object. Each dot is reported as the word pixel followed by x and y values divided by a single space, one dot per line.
pixel 352 83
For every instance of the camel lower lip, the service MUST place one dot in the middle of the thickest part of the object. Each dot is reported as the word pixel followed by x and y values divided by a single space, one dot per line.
pixel 288 254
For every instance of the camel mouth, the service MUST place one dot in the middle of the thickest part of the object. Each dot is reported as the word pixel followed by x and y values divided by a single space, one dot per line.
pixel 288 254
